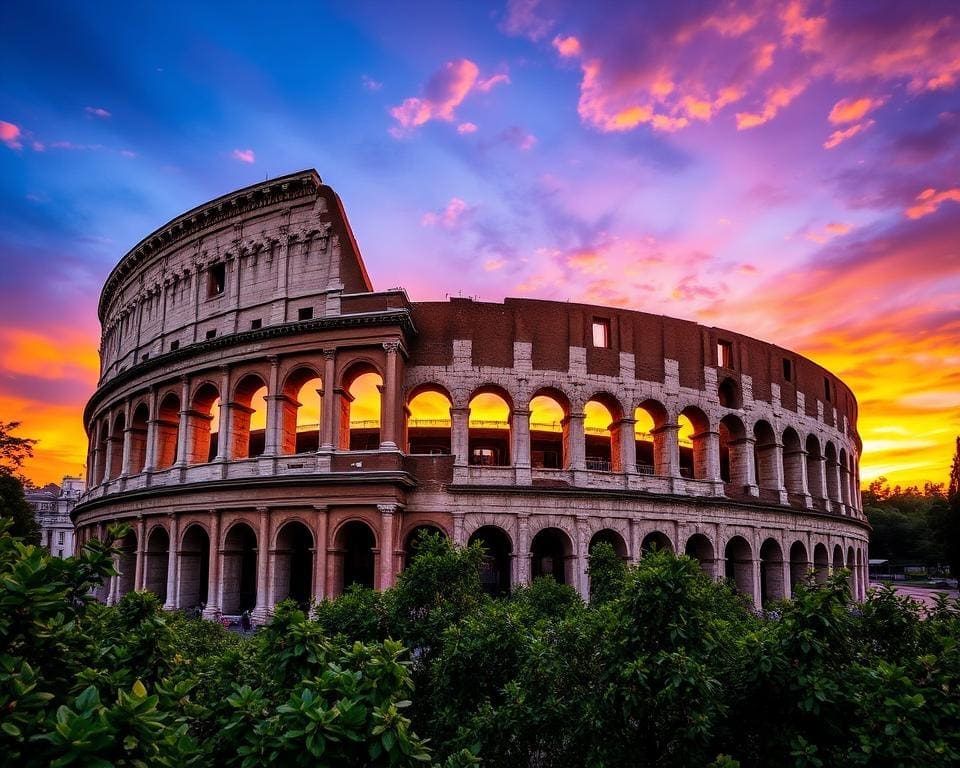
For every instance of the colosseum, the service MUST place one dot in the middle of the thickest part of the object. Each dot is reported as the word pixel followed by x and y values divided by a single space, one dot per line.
pixel 271 426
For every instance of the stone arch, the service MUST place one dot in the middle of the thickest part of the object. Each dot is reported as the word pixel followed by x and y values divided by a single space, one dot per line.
pixel 103 446
pixel 701 549
pixel 837 558
pixel 300 410
pixel 489 433
pixel 167 431
pixel 650 437
pixel 728 393
pixel 815 473
pixel 611 537
pixel 766 455
pixel 293 563
pixel 116 445
pixel 361 406
pixel 657 541
pixel 194 572
pixel 799 564
pixel 833 471
pixel 738 565
pixel 821 563
pixel 552 554
pixel 603 442
pixel 238 580
pixel 549 434
pixel 495 571
pixel 428 419
pixel 202 437
pixel 793 462
pixel 127 564
pixel 771 572
pixel 845 475
pixel 735 461
pixel 693 442
pixel 355 541
pixel 852 576
pixel 248 413
pixel 157 556
pixel 138 438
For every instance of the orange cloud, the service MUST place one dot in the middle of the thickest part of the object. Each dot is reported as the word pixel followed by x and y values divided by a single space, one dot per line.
pixel 567 46
pixel 10 135
pixel 777 99
pixel 243 155
pixel 444 92
pixel 764 58
pixel 59 354
pixel 852 110
pixel 929 201
pixel 838 137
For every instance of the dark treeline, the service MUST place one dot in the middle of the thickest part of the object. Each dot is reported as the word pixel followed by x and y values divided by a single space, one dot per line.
pixel 664 667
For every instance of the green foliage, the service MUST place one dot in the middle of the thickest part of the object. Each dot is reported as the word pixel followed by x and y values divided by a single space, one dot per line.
pixel 911 525
pixel 15 508
pixel 607 573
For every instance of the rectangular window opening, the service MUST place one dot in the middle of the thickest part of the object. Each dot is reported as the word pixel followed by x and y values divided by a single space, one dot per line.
pixel 212 333
pixel 216 280
pixel 255 324
pixel 725 354
pixel 174 346
pixel 826 388
pixel 601 333
pixel 787 370
pixel 305 313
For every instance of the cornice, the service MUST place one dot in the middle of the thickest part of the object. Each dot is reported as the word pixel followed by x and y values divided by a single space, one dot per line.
pixel 239 202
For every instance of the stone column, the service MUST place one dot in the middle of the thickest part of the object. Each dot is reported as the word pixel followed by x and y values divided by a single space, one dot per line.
pixel 388 403
pixel 770 459
pixel 520 434
pixel 184 421
pixel 624 432
pixel 386 545
pixel 523 549
pixel 582 561
pixel 460 435
pixel 260 611
pixel 150 459
pixel 666 450
pixel 833 484
pixel 223 436
pixel 214 569
pixel 321 521
pixel 170 604
pixel 108 459
pixel 576 440
pixel 787 590
pixel 796 479
pixel 127 440
pixel 459 529
pixel 328 417
pixel 742 474
pixel 272 433
pixel 755 565
pixel 141 549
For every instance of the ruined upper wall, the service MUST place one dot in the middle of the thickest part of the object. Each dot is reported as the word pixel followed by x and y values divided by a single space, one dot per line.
pixel 267 254
pixel 553 328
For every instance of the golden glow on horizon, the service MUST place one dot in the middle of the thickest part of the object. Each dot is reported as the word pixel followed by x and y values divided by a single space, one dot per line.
pixel 429 406
pixel 308 415
pixel 366 397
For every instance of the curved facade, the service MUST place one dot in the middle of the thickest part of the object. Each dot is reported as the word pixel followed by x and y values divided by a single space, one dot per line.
pixel 225 427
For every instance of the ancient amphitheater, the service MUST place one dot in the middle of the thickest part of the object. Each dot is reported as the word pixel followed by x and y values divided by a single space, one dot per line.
pixel 271 426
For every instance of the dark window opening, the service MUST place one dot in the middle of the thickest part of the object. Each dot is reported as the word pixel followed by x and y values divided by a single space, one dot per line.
pixel 145 357
pixel 305 313
pixel 826 388
pixel 211 333
pixel 787 370
pixel 174 346
pixel 216 280
pixel 255 324
pixel 725 354
pixel 601 333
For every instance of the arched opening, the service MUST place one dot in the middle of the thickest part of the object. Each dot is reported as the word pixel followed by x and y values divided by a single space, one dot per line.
pixel 700 548
pixel 103 447
pixel 861 575
pixel 239 578
pixel 833 472
pixel 428 420
pixel 116 446
pixel 734 460
pixel 650 416
pixel 360 409
pixel 603 421
pixel 792 462
pixel 127 564
pixel 203 425
pixel 814 467
pixel 157 560
pixel 656 541
pixel 852 575
pixel 293 564
pixel 300 415
pixel 821 564
pixel 611 537
pixel 495 570
pixel 739 565
pixel 489 429
pixel 249 417
pixel 355 543
pixel 138 438
pixel 728 393
pixel 549 410
pixel 771 572
pixel 693 443
pixel 552 555
pixel 837 558
pixel 799 565
pixel 194 568
pixel 844 478
pixel 167 429
pixel 411 544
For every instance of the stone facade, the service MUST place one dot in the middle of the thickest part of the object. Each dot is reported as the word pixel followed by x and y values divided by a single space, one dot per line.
pixel 52 506
pixel 265 289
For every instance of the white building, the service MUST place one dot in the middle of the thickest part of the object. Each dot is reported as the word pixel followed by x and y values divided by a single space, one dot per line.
pixel 52 505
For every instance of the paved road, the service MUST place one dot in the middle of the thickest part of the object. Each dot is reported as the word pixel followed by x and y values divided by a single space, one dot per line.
pixel 922 595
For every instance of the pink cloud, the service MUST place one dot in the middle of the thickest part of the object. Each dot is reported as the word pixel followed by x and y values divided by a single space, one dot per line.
pixel 370 84
pixel 244 155
pixel 838 137
pixel 99 112
pixel 777 99
pixel 10 135
pixel 466 128
pixel 449 217
pixel 929 201
pixel 524 20
pixel 852 110
pixel 567 46
pixel 444 92
pixel 491 82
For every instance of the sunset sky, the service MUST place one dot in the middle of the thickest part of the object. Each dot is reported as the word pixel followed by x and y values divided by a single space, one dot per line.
pixel 787 170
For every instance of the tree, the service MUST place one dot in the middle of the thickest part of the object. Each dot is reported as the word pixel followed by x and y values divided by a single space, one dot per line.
pixel 13 450
pixel 14 506
pixel 952 527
